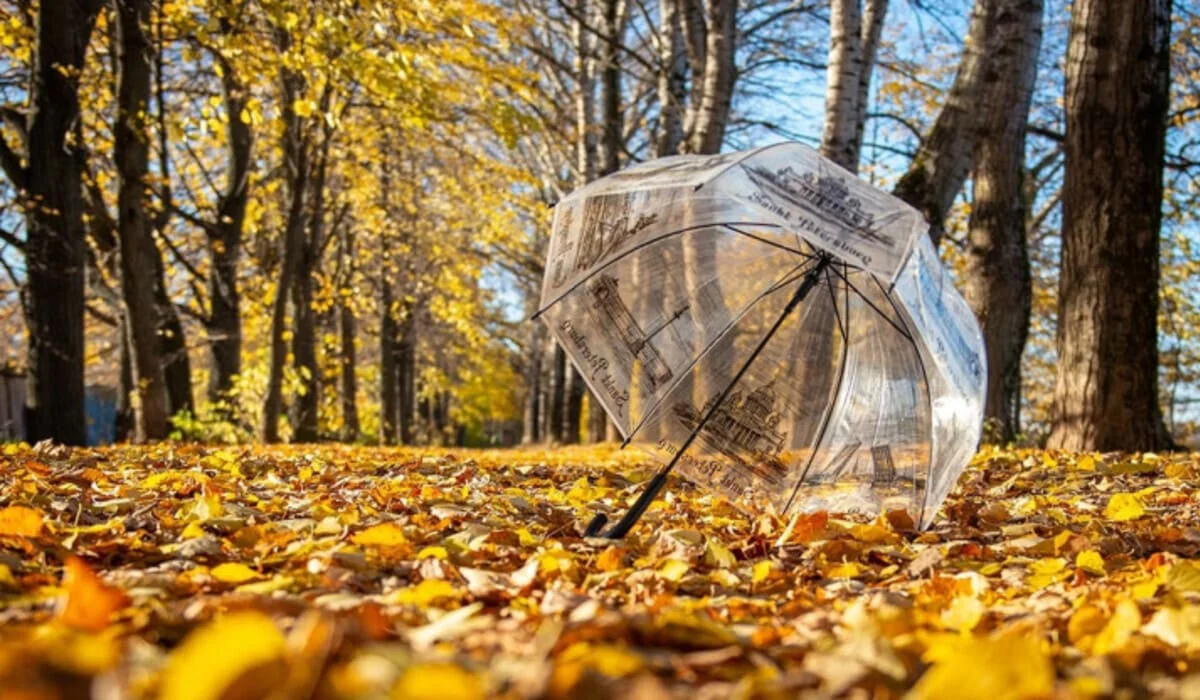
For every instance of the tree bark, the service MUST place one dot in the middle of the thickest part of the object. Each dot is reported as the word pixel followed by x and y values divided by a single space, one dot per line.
pixel 558 395
pixel 388 378
pixel 52 186
pixel 1117 90
pixel 348 332
pixel 841 83
pixel 672 80
pixel 997 279
pixel 716 98
pixel 306 407
pixel 406 368
pixel 854 37
pixel 946 154
pixel 574 408
pixel 531 432
pixel 224 237
pixel 177 366
pixel 295 164
pixel 138 254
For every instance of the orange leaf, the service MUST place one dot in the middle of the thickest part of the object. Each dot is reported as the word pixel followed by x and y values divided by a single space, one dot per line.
pixel 20 521
pixel 610 559
pixel 87 603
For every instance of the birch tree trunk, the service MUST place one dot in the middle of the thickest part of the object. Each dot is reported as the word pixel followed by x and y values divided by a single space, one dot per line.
pixel 841 84
pixel 854 38
pixel 138 254
pixel 997 280
pixel 1117 89
pixel 672 80
pixel 712 107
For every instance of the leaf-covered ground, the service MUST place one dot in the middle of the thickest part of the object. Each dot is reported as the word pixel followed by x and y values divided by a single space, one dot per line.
pixel 189 572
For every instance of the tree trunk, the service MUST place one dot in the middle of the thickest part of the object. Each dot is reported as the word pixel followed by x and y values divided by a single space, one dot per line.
pixel 123 427
pixel 138 254
pixel 585 138
pixel 854 37
pixel 295 157
pixel 997 280
pixel 558 395
pixel 574 407
pixel 177 366
pixel 388 378
pixel 672 80
pixel 224 324
pixel 407 368
pixel 873 16
pixel 712 111
pixel 348 332
pixel 946 154
pixel 55 244
pixel 613 141
pixel 841 84
pixel 1117 88
pixel 597 419
pixel 531 432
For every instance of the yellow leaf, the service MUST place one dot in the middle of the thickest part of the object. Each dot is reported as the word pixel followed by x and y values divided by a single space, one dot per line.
pixel 964 614
pixel 20 521
pixel 1091 562
pixel 244 647
pixel 234 573
pixel 382 535
pixel 673 569
pixel 761 571
pixel 1125 620
pixel 717 556
pixel 438 681
pixel 1044 572
pixel 427 592
pixel 847 569
pixel 1124 506
pixel 433 552
pixel 988 668
pixel 604 659
pixel 1184 576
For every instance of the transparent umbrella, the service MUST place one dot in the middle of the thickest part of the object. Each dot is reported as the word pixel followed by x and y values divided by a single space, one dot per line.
pixel 771 327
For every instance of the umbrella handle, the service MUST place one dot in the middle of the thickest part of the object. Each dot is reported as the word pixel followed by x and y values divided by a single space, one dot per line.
pixel 635 512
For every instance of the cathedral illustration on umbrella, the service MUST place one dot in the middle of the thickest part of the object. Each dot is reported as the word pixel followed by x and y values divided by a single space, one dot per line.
pixel 744 428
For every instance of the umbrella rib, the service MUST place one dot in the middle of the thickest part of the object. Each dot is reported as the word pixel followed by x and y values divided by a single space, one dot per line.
pixel 771 243
pixel 846 279
pixel 660 479
pixel 929 402
pixel 837 388
pixel 791 276
pixel 624 254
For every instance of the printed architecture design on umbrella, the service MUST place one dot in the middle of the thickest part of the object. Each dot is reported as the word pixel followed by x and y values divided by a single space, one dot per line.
pixel 771 327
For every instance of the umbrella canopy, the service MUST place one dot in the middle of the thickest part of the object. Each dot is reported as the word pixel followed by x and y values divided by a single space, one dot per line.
pixel 771 327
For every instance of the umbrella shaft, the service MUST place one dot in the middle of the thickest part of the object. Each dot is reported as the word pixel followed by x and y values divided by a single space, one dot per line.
pixel 660 479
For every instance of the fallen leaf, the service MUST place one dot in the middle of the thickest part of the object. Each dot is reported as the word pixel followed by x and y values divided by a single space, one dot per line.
pixel 1123 507
pixel 20 521
pixel 234 573
pixel 87 603
pixel 382 535
pixel 243 649
pixel 438 681
pixel 1000 667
